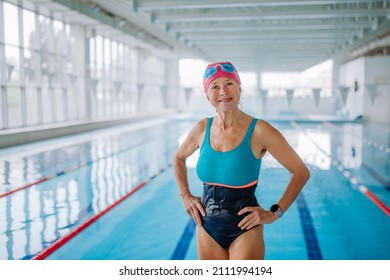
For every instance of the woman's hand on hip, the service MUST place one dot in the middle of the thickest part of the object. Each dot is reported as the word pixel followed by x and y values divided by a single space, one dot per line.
pixel 193 207
pixel 257 216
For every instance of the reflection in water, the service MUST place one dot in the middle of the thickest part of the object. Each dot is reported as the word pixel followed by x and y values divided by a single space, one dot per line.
pixel 111 166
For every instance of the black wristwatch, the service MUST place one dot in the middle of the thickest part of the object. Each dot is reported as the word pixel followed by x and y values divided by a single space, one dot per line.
pixel 276 209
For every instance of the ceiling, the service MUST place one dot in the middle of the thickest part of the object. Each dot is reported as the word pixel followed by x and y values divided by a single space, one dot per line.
pixel 260 35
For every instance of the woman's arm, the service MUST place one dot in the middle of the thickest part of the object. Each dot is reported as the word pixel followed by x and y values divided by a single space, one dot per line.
pixel 270 139
pixel 190 145
pixel 277 146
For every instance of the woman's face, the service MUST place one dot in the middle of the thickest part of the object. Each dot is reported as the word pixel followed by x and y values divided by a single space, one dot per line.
pixel 224 94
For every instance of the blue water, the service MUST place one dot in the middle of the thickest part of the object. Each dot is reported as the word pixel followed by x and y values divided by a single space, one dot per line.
pixel 331 218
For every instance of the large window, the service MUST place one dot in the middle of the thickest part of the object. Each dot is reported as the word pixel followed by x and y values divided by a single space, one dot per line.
pixel 12 95
pixel 51 71
pixel 36 59
pixel 124 80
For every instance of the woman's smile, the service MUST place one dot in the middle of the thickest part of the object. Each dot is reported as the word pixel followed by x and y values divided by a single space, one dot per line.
pixel 226 99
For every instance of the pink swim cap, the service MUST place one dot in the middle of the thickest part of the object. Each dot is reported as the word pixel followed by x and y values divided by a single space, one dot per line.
pixel 218 70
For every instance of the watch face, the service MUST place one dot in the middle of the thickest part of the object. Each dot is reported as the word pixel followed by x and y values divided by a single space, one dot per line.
pixel 274 208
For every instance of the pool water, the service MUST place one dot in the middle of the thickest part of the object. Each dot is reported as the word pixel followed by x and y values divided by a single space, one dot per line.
pixel 52 188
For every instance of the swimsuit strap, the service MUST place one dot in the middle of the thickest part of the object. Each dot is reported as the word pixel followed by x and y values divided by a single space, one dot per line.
pixel 207 135
pixel 249 132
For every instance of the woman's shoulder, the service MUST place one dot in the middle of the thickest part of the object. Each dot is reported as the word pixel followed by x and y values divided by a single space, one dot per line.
pixel 200 126
pixel 261 123
pixel 202 123
pixel 264 127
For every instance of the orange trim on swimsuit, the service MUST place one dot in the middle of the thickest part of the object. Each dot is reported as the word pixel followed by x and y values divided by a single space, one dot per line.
pixel 234 187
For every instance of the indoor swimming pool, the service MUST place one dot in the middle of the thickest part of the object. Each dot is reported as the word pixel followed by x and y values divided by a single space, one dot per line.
pixel 111 194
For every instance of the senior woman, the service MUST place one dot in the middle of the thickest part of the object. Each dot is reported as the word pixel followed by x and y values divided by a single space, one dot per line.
pixel 229 219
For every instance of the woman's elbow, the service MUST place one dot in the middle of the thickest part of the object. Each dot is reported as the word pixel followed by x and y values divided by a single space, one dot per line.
pixel 301 173
pixel 305 174
pixel 178 158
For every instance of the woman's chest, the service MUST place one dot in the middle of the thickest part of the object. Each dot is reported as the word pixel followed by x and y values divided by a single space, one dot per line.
pixel 223 141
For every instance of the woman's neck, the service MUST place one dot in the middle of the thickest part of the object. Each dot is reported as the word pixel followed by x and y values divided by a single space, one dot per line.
pixel 229 118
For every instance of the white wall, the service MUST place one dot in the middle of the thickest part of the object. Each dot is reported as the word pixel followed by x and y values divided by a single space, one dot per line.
pixel 348 74
pixel 367 71
pixel 377 71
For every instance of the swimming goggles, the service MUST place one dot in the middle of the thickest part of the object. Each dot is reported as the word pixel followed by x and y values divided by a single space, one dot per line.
pixel 225 67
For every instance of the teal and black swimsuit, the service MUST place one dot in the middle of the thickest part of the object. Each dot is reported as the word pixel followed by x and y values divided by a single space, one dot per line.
pixel 230 180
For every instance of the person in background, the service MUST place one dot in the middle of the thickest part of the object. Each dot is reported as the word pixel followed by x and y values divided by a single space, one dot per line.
pixel 232 144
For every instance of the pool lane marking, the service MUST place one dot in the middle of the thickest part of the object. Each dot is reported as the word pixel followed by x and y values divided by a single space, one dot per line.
pixel 312 245
pixel 184 242
pixel 60 242
pixel 354 181
pixel 70 169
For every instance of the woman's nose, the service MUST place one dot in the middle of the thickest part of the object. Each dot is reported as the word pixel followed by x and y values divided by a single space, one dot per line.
pixel 223 91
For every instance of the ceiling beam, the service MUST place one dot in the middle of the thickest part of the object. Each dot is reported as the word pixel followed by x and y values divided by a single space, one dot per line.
pixel 382 29
pixel 272 42
pixel 147 6
pixel 220 15
pixel 237 36
pixel 209 28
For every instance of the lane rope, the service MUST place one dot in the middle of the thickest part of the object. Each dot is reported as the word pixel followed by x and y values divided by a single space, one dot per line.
pixel 59 243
